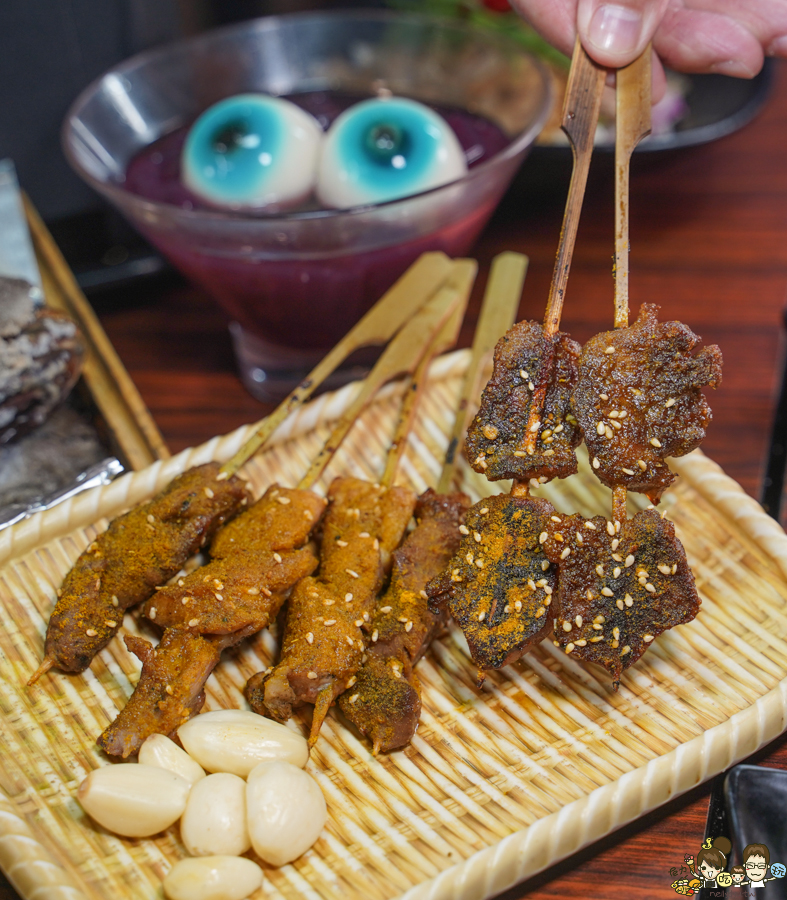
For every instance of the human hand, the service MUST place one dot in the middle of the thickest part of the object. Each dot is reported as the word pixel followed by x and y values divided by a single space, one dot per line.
pixel 730 37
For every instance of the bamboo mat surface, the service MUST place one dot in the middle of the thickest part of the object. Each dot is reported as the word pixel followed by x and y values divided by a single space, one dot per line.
pixel 498 783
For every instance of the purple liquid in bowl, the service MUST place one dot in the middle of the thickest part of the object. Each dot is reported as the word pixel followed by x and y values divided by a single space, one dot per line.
pixel 310 298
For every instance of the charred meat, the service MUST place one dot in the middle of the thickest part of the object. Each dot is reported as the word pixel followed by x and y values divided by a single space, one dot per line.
pixel 384 703
pixel 499 585
pixel 139 551
pixel 524 428
pixel 621 585
pixel 638 400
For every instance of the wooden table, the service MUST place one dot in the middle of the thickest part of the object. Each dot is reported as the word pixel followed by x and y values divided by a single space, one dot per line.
pixel 709 243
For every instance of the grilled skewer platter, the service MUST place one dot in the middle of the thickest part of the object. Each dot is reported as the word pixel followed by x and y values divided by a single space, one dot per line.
pixel 498 783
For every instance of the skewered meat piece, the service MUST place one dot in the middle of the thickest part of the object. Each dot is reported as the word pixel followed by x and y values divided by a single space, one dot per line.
pixel 524 428
pixel 257 559
pixel 323 642
pixel 385 702
pixel 499 585
pixel 140 550
pixel 621 585
pixel 638 400
pixel 214 607
pixel 170 689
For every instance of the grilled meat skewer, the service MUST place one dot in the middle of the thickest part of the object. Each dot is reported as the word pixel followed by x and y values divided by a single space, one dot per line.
pixel 621 585
pixel 638 400
pixel 170 690
pixel 140 550
pixel 259 559
pixel 265 552
pixel 323 643
pixel 385 701
pixel 123 566
pixel 499 586
pixel 529 366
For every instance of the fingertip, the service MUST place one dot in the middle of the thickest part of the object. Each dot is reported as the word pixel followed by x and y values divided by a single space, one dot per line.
pixel 615 32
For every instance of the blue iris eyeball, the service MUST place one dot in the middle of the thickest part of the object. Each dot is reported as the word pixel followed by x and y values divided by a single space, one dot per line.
pixel 252 151
pixel 384 149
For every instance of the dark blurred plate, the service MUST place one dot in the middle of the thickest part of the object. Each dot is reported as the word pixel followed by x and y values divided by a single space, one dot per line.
pixel 756 798
pixel 717 106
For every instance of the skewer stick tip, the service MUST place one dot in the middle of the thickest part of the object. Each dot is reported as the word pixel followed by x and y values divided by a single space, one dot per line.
pixel 45 666
pixel 321 707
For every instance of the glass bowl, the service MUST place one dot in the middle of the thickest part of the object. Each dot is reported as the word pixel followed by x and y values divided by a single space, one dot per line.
pixel 295 282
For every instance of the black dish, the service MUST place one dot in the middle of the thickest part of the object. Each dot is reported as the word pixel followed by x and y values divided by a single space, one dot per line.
pixel 756 799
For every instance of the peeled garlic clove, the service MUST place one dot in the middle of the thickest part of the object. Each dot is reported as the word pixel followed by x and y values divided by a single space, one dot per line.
pixel 160 751
pixel 234 740
pixel 212 878
pixel 285 810
pixel 134 800
pixel 214 823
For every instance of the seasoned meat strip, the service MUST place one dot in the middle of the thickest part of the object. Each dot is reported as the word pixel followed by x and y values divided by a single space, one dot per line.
pixel 228 594
pixel 214 607
pixel 259 560
pixel 499 585
pixel 620 586
pixel 529 367
pixel 282 519
pixel 140 550
pixel 385 702
pixel 638 400
pixel 323 641
pixel 170 689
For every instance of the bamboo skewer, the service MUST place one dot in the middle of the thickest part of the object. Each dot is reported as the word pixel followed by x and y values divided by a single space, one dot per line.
pixel 378 326
pixel 498 313
pixel 402 355
pixel 464 275
pixel 632 124
pixel 432 330
pixel 580 118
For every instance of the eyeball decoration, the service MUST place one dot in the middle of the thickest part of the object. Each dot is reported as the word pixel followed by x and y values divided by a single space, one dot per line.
pixel 252 151
pixel 384 149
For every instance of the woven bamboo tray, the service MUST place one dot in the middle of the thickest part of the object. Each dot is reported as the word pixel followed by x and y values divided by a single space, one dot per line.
pixel 498 783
